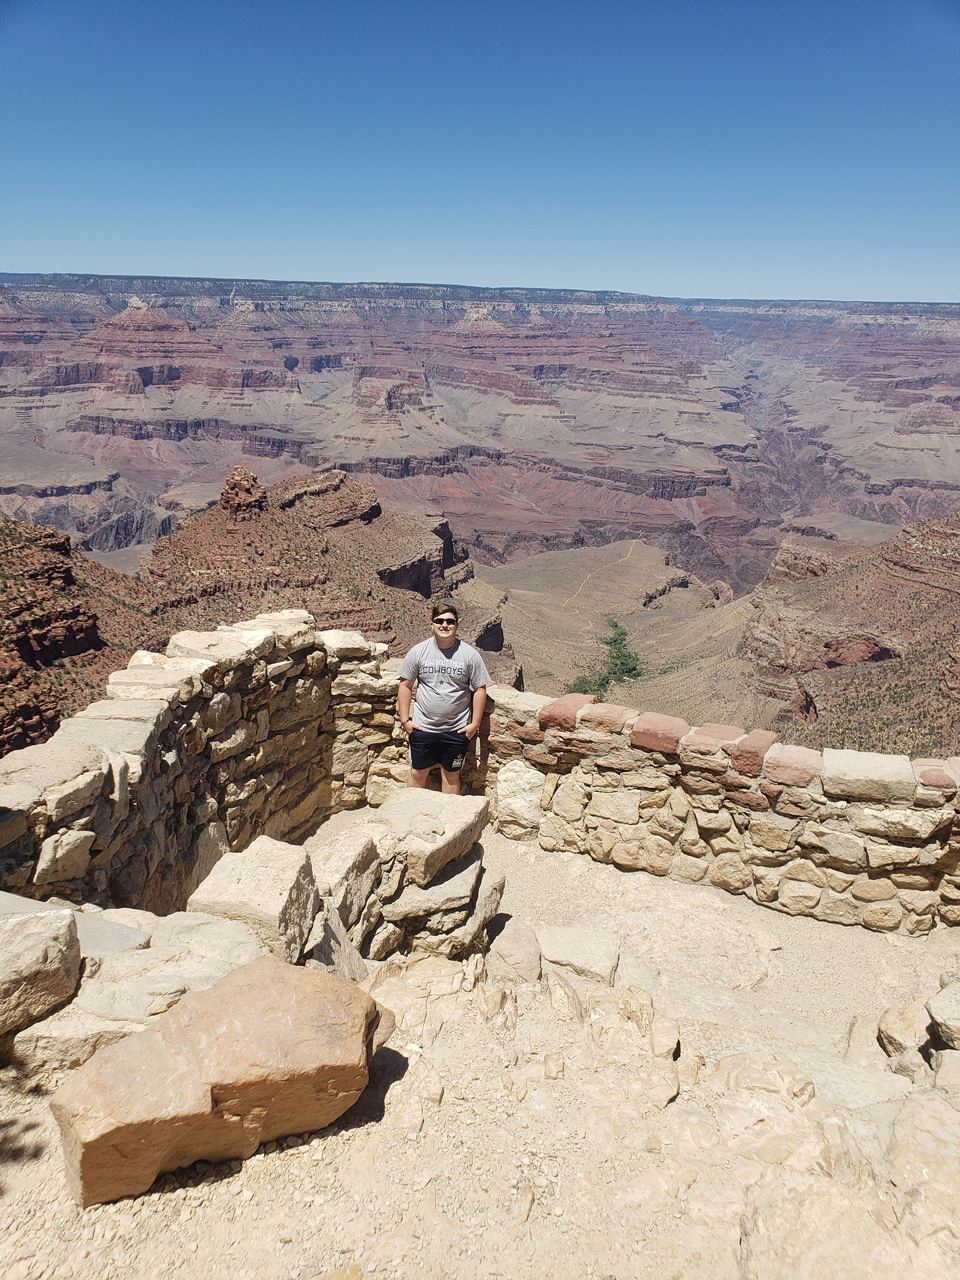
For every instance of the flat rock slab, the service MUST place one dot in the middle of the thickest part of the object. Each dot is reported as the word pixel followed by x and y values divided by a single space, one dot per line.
pixel 523 708
pixel 268 1051
pixel 97 935
pixel 459 941
pixel 39 965
pixel 516 948
pixel 868 775
pixel 346 870
pixel 591 953
pixel 432 829
pixel 452 888
pixel 269 887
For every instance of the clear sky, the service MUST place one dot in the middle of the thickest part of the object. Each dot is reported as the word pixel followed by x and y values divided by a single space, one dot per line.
pixel 713 148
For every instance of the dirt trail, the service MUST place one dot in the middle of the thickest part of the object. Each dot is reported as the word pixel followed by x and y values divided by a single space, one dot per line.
pixel 602 569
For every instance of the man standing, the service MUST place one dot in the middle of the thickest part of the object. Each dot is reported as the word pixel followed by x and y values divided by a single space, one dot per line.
pixel 451 685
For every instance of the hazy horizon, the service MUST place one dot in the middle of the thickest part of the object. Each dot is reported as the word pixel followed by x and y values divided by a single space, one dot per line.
pixel 797 151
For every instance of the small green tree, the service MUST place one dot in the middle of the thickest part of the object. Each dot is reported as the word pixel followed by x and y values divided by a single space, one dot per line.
pixel 622 664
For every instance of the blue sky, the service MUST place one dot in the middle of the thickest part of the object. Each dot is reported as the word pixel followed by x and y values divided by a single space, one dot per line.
pixel 714 148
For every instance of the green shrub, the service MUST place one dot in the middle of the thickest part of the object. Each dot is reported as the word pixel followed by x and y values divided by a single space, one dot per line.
pixel 622 664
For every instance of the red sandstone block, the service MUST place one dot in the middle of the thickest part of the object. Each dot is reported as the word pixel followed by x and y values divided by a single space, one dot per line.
pixel 562 713
pixel 619 760
pixel 793 766
pixel 699 786
pixel 607 716
pixel 504 746
pixel 524 734
pixel 654 732
pixel 747 755
pixel 539 757
pixel 748 799
pixel 710 738
pixel 938 778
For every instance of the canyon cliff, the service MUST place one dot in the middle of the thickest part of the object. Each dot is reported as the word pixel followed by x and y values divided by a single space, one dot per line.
pixel 319 541
pixel 534 420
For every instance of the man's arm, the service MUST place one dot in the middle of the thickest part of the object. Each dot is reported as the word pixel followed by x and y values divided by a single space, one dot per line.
pixel 404 698
pixel 479 702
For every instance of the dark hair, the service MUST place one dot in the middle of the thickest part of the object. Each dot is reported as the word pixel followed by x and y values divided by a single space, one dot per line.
pixel 446 607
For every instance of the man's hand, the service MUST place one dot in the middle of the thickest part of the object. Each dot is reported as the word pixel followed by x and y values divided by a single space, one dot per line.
pixel 409 727
pixel 471 731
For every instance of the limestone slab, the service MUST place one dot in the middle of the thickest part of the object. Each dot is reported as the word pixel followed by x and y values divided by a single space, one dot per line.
pixel 64 856
pixel 868 775
pixel 452 888
pixel 39 965
pixel 269 887
pixel 459 941
pixel 97 934
pixel 591 953
pixel 344 644
pixel 944 1009
pixel 226 649
pixel 149 682
pixel 521 708
pixel 516 949
pixel 519 788
pixel 431 829
pixel 346 870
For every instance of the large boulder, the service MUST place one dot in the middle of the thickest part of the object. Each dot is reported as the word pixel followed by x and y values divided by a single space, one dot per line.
pixel 268 1051
pixel 39 965
pixel 453 888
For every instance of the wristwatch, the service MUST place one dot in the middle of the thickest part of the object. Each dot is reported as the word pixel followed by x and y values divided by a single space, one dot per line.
pixel 409 720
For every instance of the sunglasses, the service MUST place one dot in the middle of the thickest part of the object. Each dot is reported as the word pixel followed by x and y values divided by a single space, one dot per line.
pixel 444 622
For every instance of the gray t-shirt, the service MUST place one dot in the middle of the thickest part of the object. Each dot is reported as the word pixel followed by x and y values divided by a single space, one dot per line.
pixel 444 679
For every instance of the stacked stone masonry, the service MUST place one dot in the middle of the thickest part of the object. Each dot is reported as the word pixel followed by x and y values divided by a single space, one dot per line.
pixel 267 727
pixel 262 728
pixel 850 837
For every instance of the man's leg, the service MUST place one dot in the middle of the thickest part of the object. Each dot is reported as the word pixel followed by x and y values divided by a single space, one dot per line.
pixel 449 781
pixel 418 778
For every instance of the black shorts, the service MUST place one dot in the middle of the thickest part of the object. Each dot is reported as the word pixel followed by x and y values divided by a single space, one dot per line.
pixel 445 749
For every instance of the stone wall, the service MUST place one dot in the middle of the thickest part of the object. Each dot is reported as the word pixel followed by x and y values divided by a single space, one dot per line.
pixel 846 836
pixel 268 726
pixel 262 728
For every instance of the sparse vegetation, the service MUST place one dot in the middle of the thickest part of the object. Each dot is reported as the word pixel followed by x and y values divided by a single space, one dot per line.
pixel 622 664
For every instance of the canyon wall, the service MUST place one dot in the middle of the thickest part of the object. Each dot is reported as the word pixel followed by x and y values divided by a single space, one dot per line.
pixel 268 726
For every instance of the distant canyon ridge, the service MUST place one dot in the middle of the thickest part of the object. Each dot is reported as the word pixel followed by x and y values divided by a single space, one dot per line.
pixel 718 435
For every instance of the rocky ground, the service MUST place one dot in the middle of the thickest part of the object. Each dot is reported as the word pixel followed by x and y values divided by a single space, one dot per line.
pixel 519 1128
